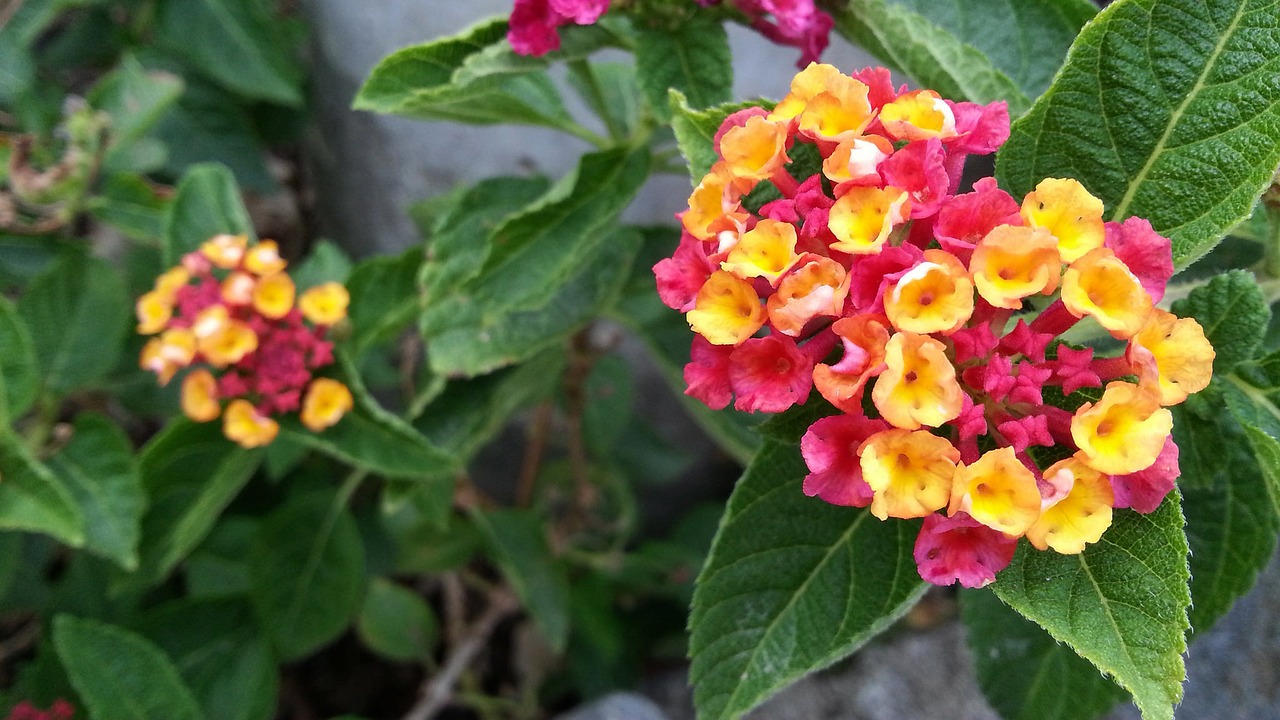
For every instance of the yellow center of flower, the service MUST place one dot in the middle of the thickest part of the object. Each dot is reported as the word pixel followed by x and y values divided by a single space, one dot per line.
pixel 727 310
pixel 918 386
pixel 1012 263
pixel 1124 432
pixel 910 472
pixel 862 218
pixel 1067 210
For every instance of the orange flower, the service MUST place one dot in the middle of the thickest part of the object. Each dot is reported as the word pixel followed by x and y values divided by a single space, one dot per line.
pixel 325 404
pixel 910 472
pixel 918 386
pixel 243 424
pixel 200 396
pixel 1101 285
pixel 1124 432
pixel 1012 262
pixel 934 296
pixel 325 304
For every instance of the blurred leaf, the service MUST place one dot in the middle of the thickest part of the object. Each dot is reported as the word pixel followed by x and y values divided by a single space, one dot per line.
pixel 1267 449
pixel 33 498
pixel 219 566
pixel 1026 39
pixel 191 473
pixel 1024 673
pixel 457 79
pixel 78 312
pixel 1234 315
pixel 693 59
pixel 135 99
pixel 1252 391
pixel 19 380
pixel 239 44
pixel 1121 604
pixel 930 54
pixel 325 263
pixel 396 622
pixel 306 573
pixel 23 257
pixel 519 546
pixel 778 599
pixel 384 297
pixel 120 675
pixel 371 438
pixel 610 399
pixel 696 129
pixel 131 205
pixel 1158 111
pixel 610 89
pixel 217 648
pixel 207 203
pixel 425 548
pixel 99 470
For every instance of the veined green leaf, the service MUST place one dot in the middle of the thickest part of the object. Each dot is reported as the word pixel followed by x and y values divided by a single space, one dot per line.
pixel 33 498
pixel 1121 604
pixel 1024 673
pixel 1267 450
pixel 693 59
pixel 779 598
pixel 120 675
pixel 1165 109
pixel 99 470
pixel 696 130
pixel 1233 314
pixel 18 370
pixel 932 56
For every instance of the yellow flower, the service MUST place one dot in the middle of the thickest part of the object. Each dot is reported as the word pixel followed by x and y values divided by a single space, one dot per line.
pixel 264 259
pixel 225 251
pixel 934 296
pixel 840 112
pixel 727 310
pixel 167 354
pixel 1124 432
pixel 918 386
pixel 273 296
pixel 804 87
pixel 918 115
pixel 1172 356
pixel 756 149
pixel 768 250
pixel 325 404
pixel 1101 285
pixel 818 288
pixel 1069 213
pixel 243 424
pixel 862 218
pixel 910 472
pixel 1078 517
pixel 154 311
pixel 325 304
pixel 200 396
pixel 1013 262
pixel 997 491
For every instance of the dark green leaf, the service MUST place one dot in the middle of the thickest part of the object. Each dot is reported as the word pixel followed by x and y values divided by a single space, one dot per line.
pixel 791 586
pixel 135 99
pixel 1121 604
pixel 470 77
pixel 518 541
pixel 120 675
pixel 217 648
pixel 325 263
pixel 384 297
pixel 207 203
pixel 693 59
pixel 239 44
pixel 98 468
pixel 1026 674
pixel 1025 39
pixel 78 312
pixel 611 91
pixel 1234 315
pixel 1267 450
pixel 33 498
pixel 306 573
pixel 932 56
pixel 131 205
pixel 1252 392
pixel 191 473
pixel 18 370
pixel 1163 109
pixel 396 622
pixel 219 566
pixel 212 125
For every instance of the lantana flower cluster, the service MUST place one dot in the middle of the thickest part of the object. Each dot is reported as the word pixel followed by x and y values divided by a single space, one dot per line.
pixel 534 24
pixel 912 308
pixel 231 317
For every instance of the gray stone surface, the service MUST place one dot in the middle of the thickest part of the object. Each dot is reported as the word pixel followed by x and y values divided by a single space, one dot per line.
pixel 617 706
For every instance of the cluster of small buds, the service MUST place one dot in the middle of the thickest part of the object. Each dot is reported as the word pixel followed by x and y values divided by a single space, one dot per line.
pixel 231 317
pixel 534 24
pixel 874 271
pixel 59 710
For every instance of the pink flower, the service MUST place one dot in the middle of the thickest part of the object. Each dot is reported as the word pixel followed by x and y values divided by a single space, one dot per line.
pixel 770 374
pixel 707 375
pixel 1145 490
pixel 533 23
pixel 959 548
pixel 830 449
pixel 967 218
pixel 1146 252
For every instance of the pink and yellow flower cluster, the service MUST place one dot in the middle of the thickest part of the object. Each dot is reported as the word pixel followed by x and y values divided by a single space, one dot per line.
pixel 231 317
pixel 928 318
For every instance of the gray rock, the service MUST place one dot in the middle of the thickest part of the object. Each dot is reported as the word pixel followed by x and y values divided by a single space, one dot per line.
pixel 617 706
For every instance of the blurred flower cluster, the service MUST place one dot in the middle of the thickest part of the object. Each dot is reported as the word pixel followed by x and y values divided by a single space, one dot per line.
pixel 231 316
pixel 829 248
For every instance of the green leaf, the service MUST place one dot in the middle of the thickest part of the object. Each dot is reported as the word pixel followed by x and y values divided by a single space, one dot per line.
pixel 384 298
pixel 1161 110
pixel 792 585
pixel 135 99
pixel 438 81
pixel 1121 604
pixel 78 313
pixel 518 541
pixel 239 44
pixel 131 205
pixel 932 56
pixel 610 89
pixel 396 622
pixel 33 498
pixel 1025 39
pixel 207 203
pixel 120 675
pixel 212 125
pixel 371 438
pixel 693 59
pixel 1024 673
pixel 1267 450
pixel 18 369
pixel 218 567
pixel 325 263
pixel 1252 391
pixel 1234 315
pixel 191 473
pixel 306 573
pixel 696 130
pixel 1231 523
pixel 98 468
pixel 222 656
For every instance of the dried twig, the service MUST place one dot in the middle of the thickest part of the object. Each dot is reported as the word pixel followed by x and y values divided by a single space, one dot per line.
pixel 539 429
pixel 437 692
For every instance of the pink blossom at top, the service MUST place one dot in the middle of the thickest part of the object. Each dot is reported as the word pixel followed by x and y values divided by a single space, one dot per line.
pixel 533 23
pixel 1147 253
